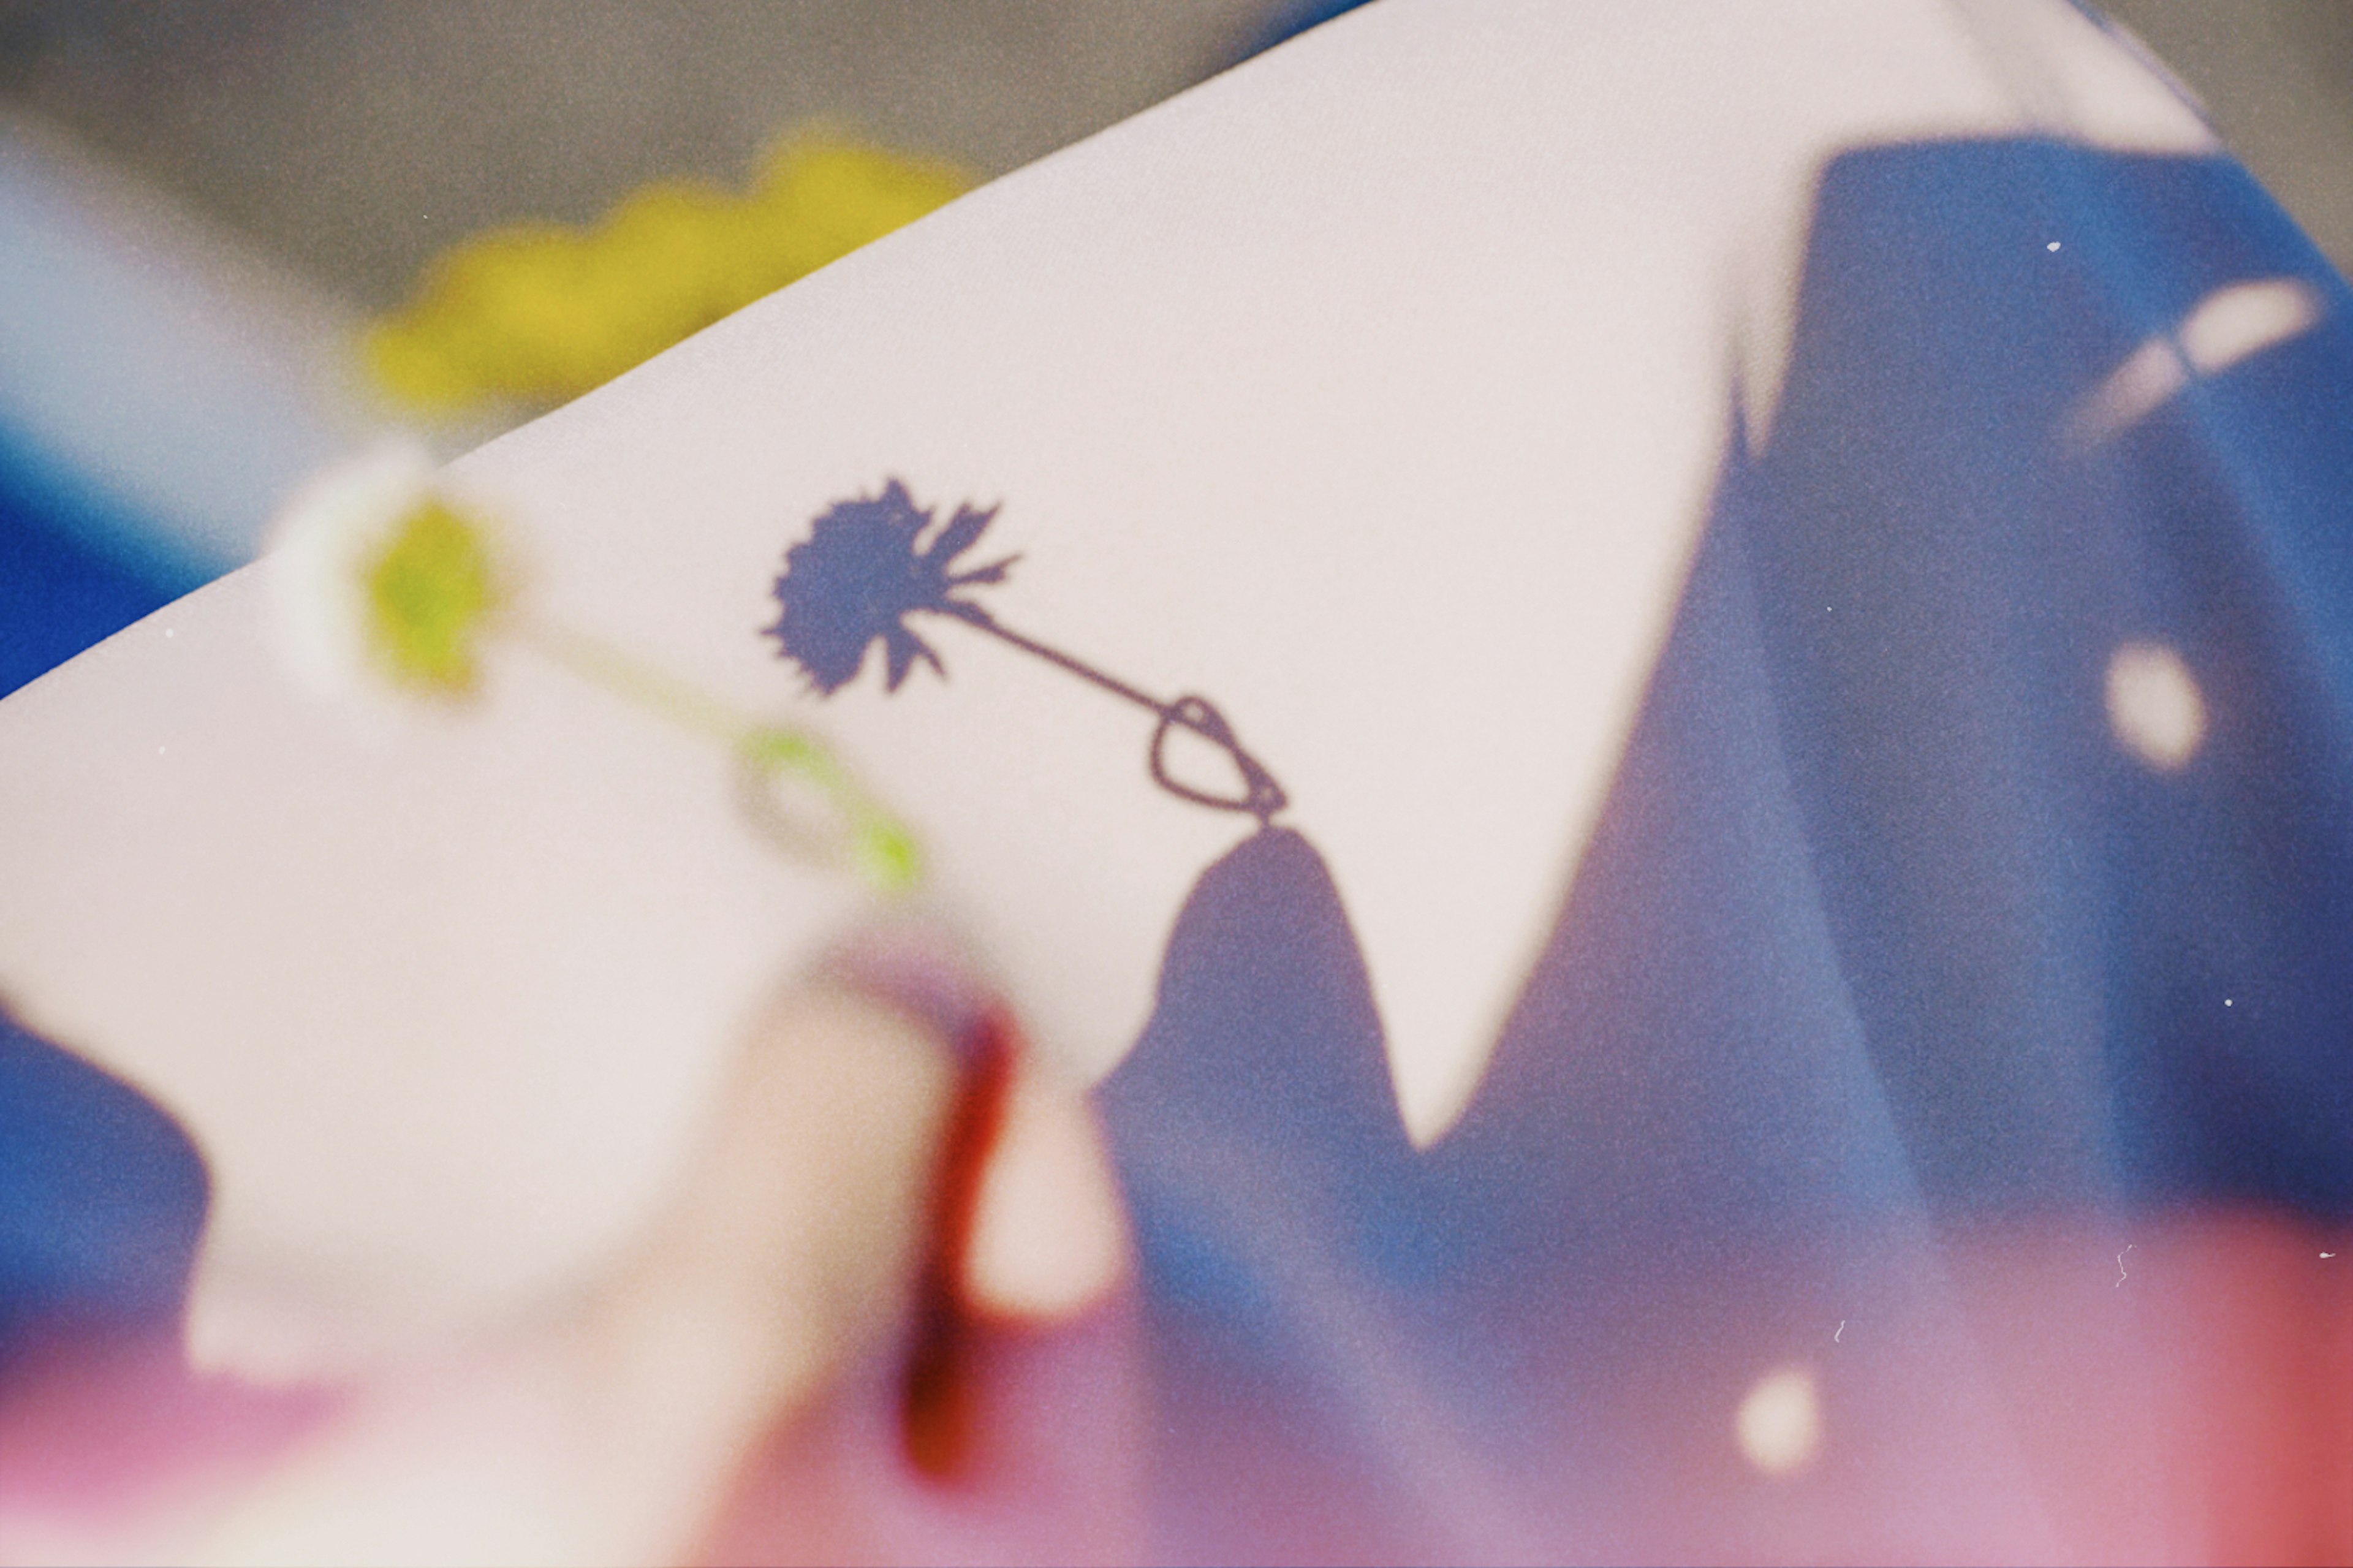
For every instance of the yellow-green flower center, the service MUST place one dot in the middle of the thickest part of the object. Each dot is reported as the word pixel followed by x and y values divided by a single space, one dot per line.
pixel 428 592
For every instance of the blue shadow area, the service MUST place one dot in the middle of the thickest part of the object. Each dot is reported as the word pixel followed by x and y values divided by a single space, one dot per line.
pixel 102 1199
pixel 1882 930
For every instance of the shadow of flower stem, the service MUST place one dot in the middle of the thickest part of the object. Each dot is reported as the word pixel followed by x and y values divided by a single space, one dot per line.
pixel 1260 796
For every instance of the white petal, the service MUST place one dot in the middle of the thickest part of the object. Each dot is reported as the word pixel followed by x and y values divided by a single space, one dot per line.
pixel 317 548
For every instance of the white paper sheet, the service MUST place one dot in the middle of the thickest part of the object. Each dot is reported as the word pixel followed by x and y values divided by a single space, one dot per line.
pixel 1375 390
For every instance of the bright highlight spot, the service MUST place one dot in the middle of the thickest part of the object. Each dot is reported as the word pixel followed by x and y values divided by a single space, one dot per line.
pixel 1048 1239
pixel 2154 706
pixel 2136 389
pixel 1779 1424
pixel 2232 323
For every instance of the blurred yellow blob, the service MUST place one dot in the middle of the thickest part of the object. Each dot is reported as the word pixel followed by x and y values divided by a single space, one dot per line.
pixel 1779 1424
pixel 537 313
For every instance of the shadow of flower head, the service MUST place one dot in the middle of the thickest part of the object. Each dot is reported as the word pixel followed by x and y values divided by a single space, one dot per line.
pixel 861 572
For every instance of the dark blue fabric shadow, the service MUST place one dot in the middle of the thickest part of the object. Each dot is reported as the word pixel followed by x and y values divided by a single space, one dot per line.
pixel 1287 21
pixel 102 1199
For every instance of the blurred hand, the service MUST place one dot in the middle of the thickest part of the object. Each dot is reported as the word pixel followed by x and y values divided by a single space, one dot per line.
pixel 611 1431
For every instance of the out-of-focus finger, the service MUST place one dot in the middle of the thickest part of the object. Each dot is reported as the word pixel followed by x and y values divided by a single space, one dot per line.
pixel 1048 1234
pixel 612 1429
pixel 1027 1211
pixel 794 1249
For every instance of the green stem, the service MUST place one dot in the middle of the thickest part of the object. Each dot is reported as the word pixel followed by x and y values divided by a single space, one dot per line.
pixel 880 847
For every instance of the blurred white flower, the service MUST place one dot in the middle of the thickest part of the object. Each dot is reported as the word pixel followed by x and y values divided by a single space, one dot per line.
pixel 378 580
pixel 373 576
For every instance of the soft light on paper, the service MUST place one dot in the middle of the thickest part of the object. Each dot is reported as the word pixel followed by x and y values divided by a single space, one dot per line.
pixel 1389 432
